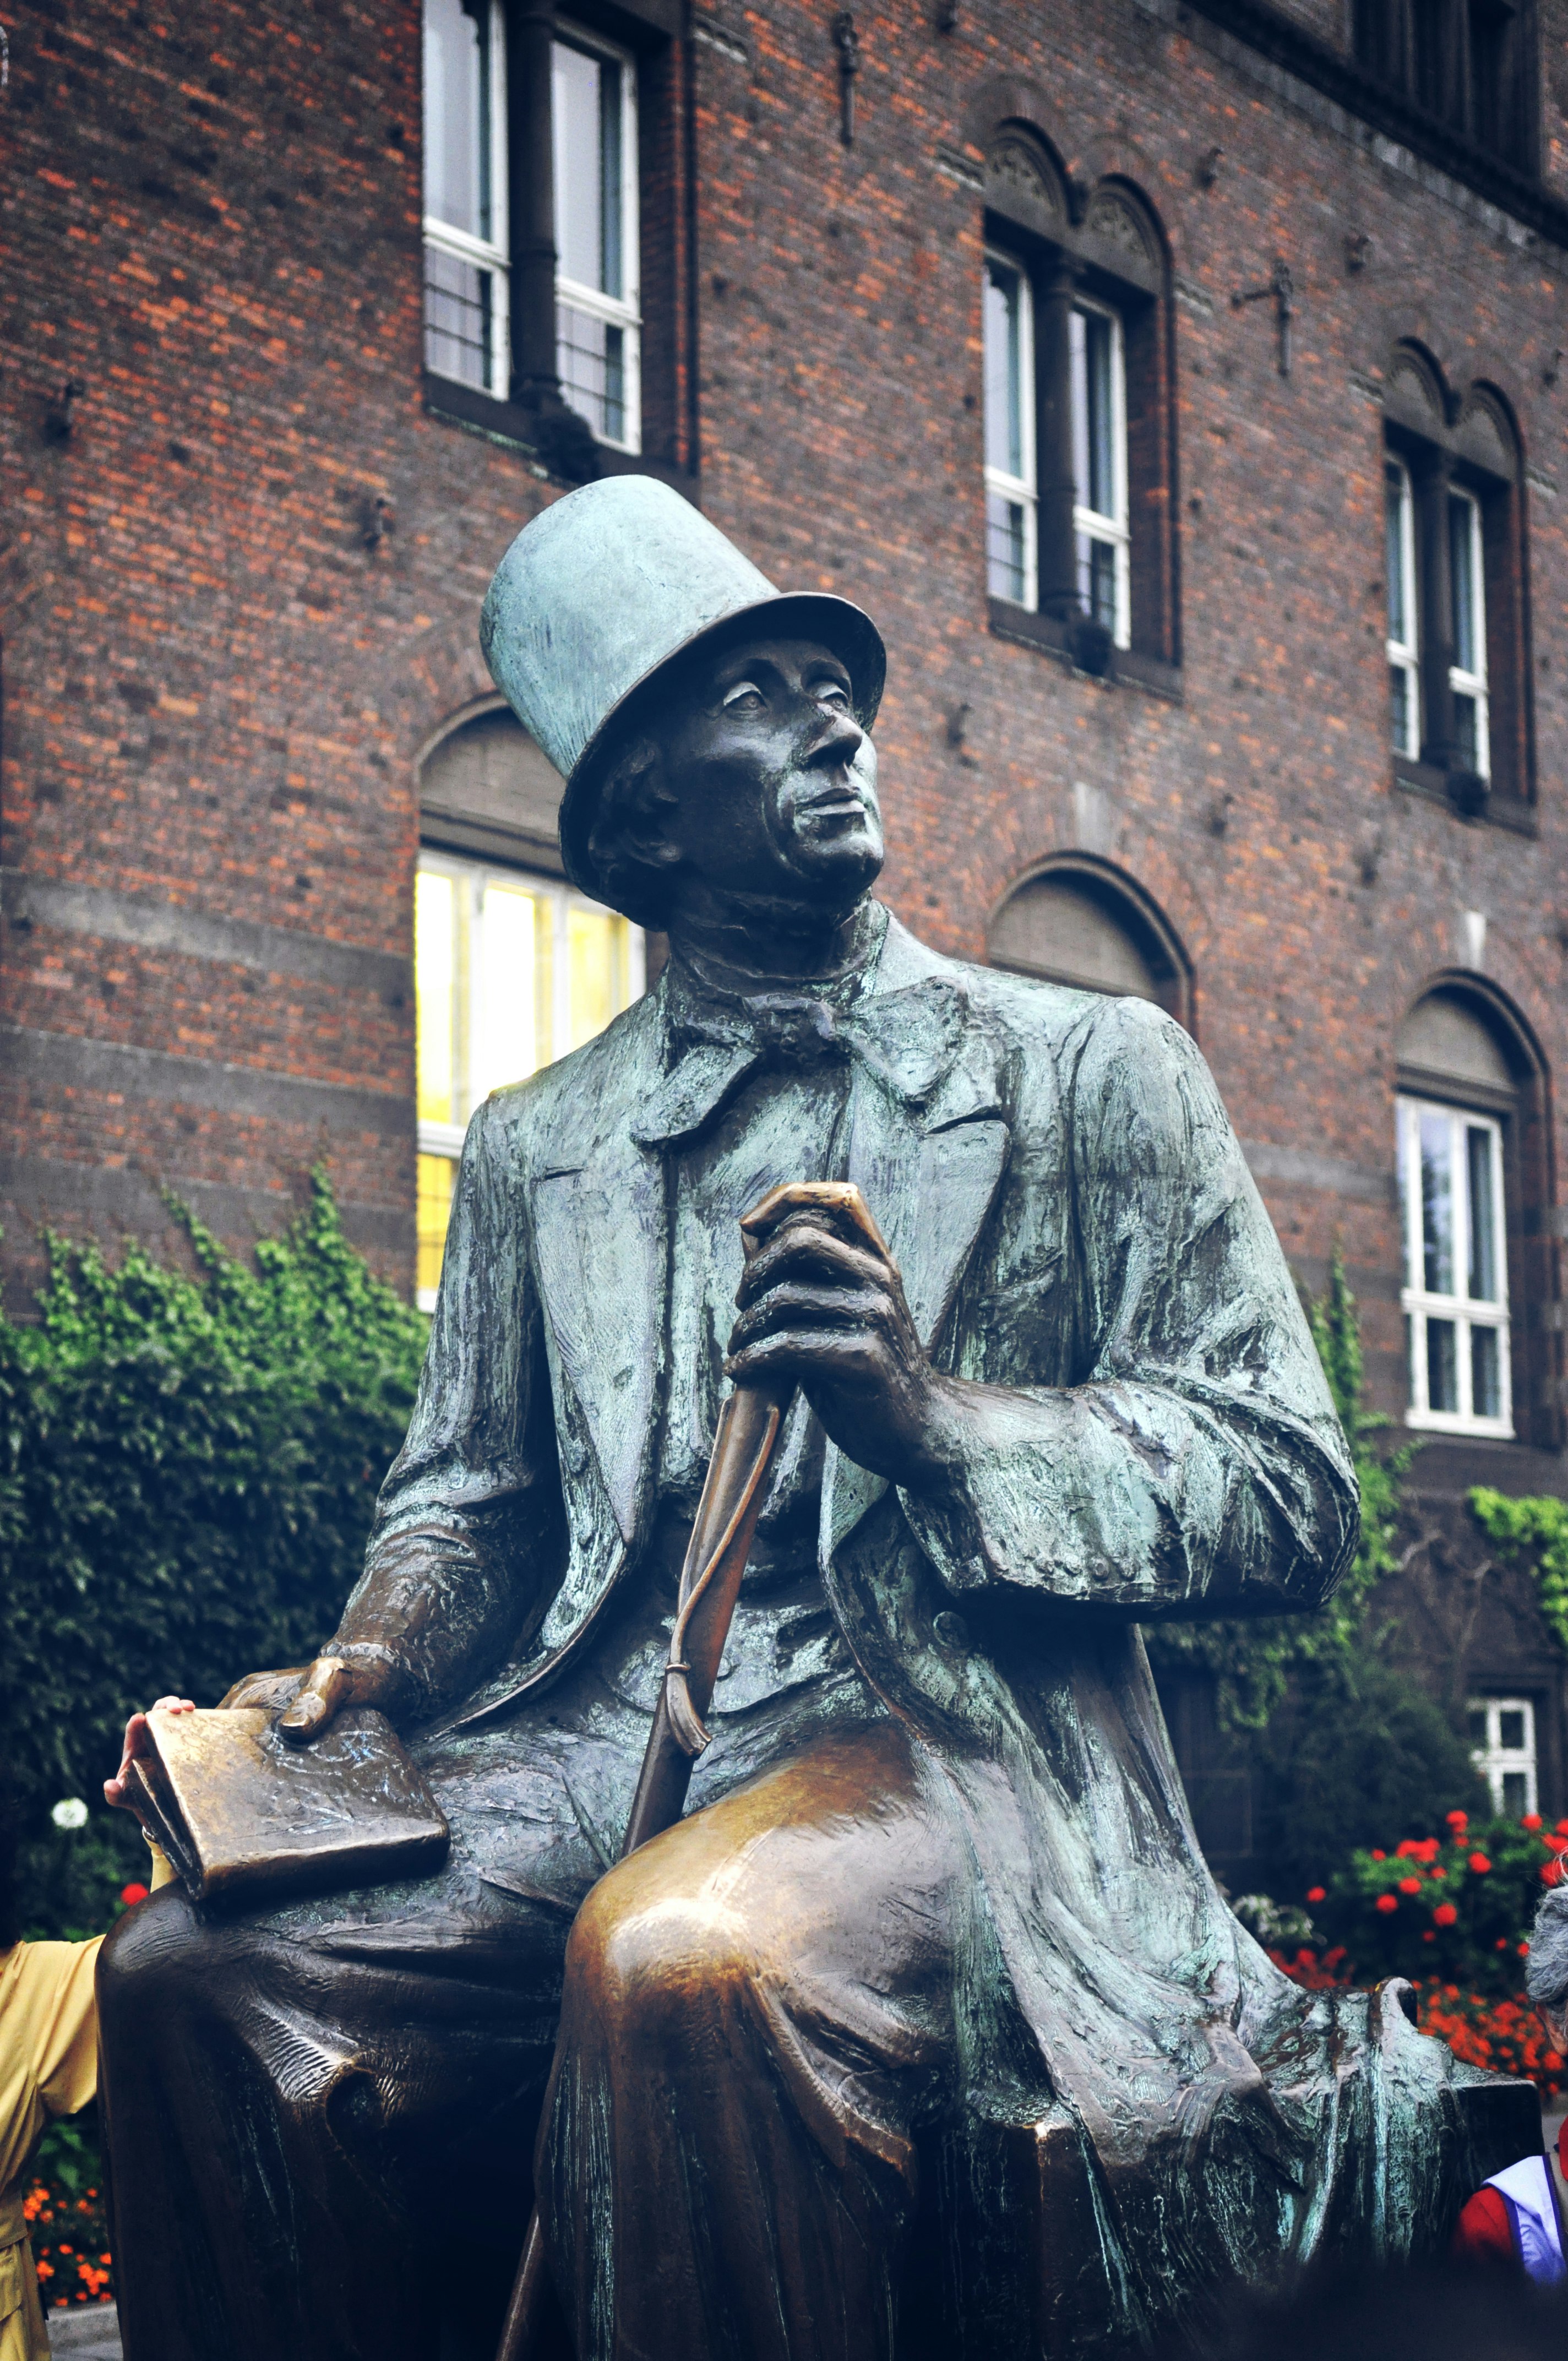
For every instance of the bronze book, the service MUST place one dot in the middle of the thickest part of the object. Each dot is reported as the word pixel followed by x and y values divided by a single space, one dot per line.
pixel 240 1812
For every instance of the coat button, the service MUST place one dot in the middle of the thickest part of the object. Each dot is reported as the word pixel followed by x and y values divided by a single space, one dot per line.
pixel 950 1630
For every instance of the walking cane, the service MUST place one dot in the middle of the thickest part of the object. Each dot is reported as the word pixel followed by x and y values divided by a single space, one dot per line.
pixel 743 1447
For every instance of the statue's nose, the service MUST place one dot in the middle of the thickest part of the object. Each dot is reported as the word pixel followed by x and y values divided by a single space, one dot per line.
pixel 836 741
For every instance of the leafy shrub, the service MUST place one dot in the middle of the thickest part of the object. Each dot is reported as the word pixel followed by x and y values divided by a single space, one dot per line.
pixel 188 1469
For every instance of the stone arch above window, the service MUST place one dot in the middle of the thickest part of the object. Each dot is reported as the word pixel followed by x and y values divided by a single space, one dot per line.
pixel 1024 182
pixel 1079 922
pixel 1447 1042
pixel 484 787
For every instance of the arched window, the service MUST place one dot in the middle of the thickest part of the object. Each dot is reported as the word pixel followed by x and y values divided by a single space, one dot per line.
pixel 511 966
pixel 1077 431
pixel 1077 922
pixel 1475 1192
pixel 1458 663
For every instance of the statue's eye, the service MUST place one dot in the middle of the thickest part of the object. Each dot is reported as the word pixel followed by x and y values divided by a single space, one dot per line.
pixel 744 698
pixel 834 693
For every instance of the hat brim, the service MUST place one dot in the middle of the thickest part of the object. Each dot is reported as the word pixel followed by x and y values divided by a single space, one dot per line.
pixel 839 623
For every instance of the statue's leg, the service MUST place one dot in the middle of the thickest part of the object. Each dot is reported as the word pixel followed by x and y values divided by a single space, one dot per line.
pixel 757 2018
pixel 285 2122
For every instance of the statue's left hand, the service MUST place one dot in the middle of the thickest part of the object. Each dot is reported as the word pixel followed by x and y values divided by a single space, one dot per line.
pixel 139 1740
pixel 831 1316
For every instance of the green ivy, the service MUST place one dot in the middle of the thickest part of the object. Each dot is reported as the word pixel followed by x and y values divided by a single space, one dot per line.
pixel 1253 1659
pixel 187 1469
pixel 1538 1527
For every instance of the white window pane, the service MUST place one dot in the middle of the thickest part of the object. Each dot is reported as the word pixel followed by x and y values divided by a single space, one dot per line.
pixel 436 984
pixel 1007 549
pixel 585 95
pixel 459 320
pixel 1486 1373
pixel 590 358
pixel 1437 1203
pixel 457 162
pixel 1397 494
pixel 1479 1139
pixel 1093 413
pixel 1097 567
pixel 1005 363
pixel 1400 687
pixel 1467 588
pixel 1442 1367
pixel 505 1028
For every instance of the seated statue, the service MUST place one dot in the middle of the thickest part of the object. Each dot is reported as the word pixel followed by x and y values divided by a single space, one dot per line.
pixel 937 1873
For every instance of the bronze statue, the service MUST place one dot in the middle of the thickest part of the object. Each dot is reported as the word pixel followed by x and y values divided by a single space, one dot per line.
pixel 937 1888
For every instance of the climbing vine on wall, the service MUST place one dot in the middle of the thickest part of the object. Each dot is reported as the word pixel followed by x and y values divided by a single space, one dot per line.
pixel 1536 1528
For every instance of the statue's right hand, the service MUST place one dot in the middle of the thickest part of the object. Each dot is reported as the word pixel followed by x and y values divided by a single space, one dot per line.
pixel 312 1699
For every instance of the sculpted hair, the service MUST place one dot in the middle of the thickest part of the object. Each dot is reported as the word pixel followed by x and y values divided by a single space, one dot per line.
pixel 1546 1969
pixel 631 798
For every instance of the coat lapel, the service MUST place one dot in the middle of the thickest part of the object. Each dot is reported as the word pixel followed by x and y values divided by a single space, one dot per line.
pixel 928 1172
pixel 601 1245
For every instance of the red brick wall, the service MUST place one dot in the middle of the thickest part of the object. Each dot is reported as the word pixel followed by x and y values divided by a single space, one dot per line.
pixel 217 681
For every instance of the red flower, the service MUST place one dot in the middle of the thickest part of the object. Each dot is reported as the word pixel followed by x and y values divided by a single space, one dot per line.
pixel 1531 1820
pixel 1387 1901
pixel 1556 1843
pixel 132 1894
pixel 1445 1915
pixel 1552 1871
pixel 1378 1856
pixel 1316 1893
pixel 1501 1944
pixel 1458 1820
pixel 1479 1863
pixel 1409 1886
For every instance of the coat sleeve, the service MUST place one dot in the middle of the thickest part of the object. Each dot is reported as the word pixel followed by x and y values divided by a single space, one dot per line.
pixel 466 1545
pixel 1197 1467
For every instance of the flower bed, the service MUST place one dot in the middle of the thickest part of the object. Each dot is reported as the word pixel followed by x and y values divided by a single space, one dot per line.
pixel 71 2245
pixel 1454 1910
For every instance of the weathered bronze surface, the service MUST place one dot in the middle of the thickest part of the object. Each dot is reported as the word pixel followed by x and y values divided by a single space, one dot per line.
pixel 925 2029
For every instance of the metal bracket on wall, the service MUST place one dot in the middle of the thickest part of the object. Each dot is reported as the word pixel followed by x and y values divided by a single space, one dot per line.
pixel 1282 290
pixel 848 43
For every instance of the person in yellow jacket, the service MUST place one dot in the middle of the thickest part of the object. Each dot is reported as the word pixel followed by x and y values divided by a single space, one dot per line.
pixel 49 2066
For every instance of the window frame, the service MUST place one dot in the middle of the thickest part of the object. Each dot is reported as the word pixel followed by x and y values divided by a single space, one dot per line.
pixel 1467 1313
pixel 492 255
pixel 1473 682
pixel 1404 655
pixel 1496 1763
pixel 623 312
pixel 1022 490
pixel 443 1140
pixel 1111 529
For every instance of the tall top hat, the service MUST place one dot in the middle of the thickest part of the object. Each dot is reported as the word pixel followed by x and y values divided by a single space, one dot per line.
pixel 593 599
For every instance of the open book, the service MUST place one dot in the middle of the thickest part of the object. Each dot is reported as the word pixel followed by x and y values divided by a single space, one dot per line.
pixel 240 1812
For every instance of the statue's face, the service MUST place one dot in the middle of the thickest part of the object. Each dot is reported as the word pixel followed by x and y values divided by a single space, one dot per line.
pixel 770 779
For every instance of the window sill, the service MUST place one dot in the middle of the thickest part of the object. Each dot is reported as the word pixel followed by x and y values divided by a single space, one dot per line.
pixel 1127 667
pixel 1425 779
pixel 513 427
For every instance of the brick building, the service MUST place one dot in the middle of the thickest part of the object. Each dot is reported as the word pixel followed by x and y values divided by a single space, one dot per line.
pixel 1178 382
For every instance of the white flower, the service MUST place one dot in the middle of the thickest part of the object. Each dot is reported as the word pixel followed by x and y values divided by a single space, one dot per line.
pixel 71 1812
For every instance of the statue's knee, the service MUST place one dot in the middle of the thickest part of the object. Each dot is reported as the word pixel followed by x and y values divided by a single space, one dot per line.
pixel 655 1957
pixel 146 1956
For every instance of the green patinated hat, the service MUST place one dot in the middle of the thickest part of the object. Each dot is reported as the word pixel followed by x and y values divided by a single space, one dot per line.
pixel 597 596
